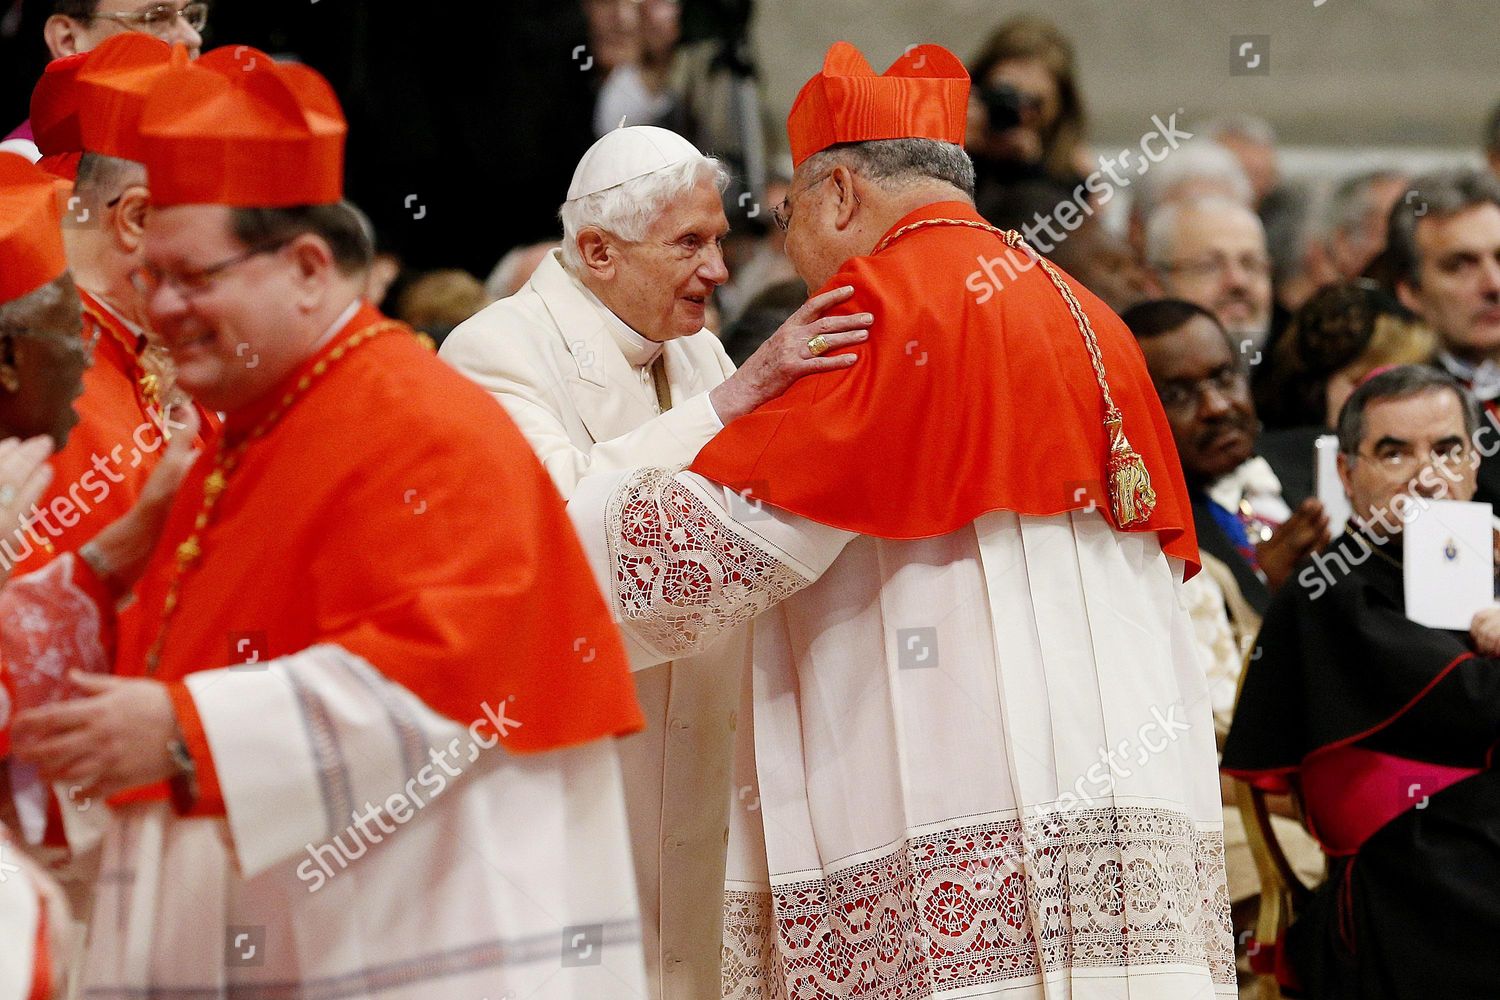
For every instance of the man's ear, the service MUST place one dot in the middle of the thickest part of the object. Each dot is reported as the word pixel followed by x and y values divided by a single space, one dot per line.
pixel 600 257
pixel 1406 291
pixel 313 258
pixel 842 182
pixel 1345 472
pixel 62 35
pixel 128 224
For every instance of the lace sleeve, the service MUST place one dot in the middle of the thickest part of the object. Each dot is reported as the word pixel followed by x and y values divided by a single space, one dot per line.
pixel 684 572
pixel 48 626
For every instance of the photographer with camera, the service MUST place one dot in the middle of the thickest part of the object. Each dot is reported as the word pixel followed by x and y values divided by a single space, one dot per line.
pixel 1026 118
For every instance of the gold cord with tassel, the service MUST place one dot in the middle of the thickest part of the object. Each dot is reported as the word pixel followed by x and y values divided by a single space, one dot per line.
pixel 1132 499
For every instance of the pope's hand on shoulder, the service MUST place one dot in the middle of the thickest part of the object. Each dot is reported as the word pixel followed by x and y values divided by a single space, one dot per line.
pixel 786 357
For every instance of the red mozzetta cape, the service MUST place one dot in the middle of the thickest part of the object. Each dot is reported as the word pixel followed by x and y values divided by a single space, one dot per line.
pixel 395 511
pixel 101 471
pixel 973 394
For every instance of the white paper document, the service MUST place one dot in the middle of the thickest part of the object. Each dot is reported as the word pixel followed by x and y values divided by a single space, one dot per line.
pixel 1449 559
pixel 1330 488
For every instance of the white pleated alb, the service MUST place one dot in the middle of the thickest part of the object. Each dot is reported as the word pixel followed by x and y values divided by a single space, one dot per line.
pixel 980 764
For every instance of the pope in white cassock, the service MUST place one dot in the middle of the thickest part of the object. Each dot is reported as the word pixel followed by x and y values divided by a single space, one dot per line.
pixel 978 758
pixel 604 364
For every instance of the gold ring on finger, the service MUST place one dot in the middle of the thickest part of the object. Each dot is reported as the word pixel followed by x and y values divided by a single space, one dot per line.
pixel 817 345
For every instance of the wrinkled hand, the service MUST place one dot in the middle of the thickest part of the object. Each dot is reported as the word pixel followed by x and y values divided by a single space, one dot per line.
pixel 24 477
pixel 784 357
pixel 1485 631
pixel 113 737
pixel 124 547
pixel 1304 533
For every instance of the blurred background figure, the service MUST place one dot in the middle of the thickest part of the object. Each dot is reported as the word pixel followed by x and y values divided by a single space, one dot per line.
pixel 1492 141
pixel 1355 218
pixel 1197 169
pixel 1026 112
pixel 436 302
pixel 1212 252
pixel 514 269
pixel 1093 254
pixel 1339 336
pixel 1252 140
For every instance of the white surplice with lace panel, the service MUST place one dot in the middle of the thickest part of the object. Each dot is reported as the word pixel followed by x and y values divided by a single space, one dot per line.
pixel 980 764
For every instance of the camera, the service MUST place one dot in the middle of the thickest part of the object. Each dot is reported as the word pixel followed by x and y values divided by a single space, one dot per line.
pixel 1006 106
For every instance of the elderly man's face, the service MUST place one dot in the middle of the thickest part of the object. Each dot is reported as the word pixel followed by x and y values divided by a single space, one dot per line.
pixel 227 313
pixel 1206 397
pixel 1219 262
pixel 1458 291
pixel 663 282
pixel 1411 447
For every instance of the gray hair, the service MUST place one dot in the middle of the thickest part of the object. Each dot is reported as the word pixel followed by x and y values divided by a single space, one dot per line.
pixel 1400 383
pixel 1203 160
pixel 898 163
pixel 1351 201
pixel 102 177
pixel 1252 127
pixel 1161 226
pixel 24 312
pixel 1436 195
pixel 627 210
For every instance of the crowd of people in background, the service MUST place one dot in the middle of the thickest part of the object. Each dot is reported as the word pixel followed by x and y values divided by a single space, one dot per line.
pixel 1272 310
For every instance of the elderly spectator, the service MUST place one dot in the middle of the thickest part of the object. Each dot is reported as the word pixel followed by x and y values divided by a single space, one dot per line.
pixel 1212 251
pixel 1355 216
pixel 1291 215
pixel 1252 140
pixel 1444 248
pixel 1197 169
pixel 1383 726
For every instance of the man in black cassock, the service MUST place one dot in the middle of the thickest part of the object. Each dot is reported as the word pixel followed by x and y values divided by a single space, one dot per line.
pixel 1386 728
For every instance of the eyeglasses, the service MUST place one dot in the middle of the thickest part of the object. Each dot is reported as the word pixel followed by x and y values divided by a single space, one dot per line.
pixel 1256 265
pixel 159 18
pixel 1405 459
pixel 148 279
pixel 1183 395
pixel 782 213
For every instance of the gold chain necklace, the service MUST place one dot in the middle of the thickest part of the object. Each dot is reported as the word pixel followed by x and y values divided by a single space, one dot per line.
pixel 226 460
pixel 1131 497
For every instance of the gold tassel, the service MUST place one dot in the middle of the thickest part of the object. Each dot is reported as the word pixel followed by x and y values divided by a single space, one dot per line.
pixel 1130 494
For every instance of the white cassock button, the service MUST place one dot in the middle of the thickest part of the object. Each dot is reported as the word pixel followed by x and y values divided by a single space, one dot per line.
pixel 672 961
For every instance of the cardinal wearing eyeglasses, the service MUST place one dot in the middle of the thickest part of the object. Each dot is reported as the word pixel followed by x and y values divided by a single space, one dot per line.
pixel 358 739
pixel 80 25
